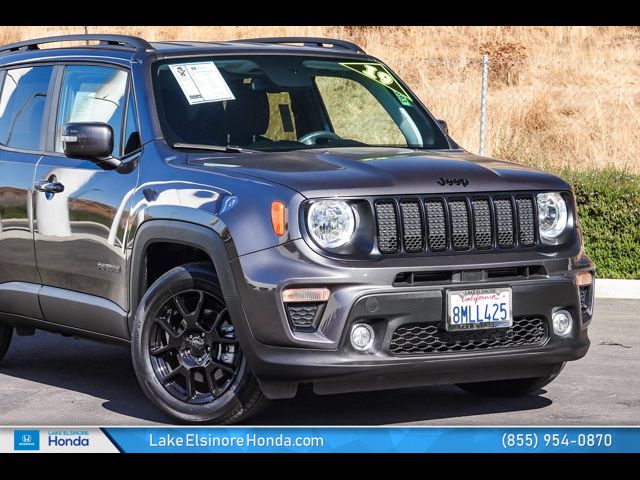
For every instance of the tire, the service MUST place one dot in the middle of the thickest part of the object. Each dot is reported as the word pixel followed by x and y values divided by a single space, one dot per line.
pixel 510 388
pixel 6 332
pixel 190 375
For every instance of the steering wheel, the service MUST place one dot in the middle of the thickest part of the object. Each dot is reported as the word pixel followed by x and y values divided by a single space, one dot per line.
pixel 313 137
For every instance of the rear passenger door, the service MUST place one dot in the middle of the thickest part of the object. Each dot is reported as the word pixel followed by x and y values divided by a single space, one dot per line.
pixel 24 101
pixel 79 231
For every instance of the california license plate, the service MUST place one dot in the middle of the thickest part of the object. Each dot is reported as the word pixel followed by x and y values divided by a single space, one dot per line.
pixel 479 309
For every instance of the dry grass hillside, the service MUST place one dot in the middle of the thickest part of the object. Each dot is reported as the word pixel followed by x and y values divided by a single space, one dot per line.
pixel 558 96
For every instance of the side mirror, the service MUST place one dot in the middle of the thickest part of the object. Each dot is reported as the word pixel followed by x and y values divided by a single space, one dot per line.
pixel 90 141
pixel 443 126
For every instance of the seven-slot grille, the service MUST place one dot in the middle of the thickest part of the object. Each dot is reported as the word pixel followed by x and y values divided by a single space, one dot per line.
pixel 419 225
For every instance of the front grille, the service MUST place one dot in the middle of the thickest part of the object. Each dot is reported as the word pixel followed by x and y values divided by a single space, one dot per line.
pixel 527 221
pixel 504 221
pixel 304 316
pixel 459 224
pixel 436 225
pixel 412 227
pixel 482 222
pixel 387 227
pixel 456 224
pixel 423 338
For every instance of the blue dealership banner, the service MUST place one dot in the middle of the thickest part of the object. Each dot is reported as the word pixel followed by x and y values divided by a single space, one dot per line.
pixel 376 439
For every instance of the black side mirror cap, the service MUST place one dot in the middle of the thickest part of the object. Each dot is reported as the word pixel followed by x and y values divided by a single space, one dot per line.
pixel 91 141
pixel 444 126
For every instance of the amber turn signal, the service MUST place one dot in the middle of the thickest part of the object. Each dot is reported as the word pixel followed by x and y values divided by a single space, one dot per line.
pixel 278 218
pixel 295 295
pixel 584 278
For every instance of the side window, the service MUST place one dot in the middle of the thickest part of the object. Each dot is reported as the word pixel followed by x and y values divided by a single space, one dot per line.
pixel 131 139
pixel 356 114
pixel 92 93
pixel 22 102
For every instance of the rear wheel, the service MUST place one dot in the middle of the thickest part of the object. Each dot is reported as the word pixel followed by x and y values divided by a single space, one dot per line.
pixel 6 332
pixel 510 388
pixel 185 351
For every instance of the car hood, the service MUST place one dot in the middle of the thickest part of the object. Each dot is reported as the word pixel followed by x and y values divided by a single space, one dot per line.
pixel 380 171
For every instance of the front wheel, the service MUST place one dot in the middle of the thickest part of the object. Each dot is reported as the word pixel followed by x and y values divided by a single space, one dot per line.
pixel 6 332
pixel 510 388
pixel 186 355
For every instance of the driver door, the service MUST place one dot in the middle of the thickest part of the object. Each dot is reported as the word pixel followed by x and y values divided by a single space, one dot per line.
pixel 79 230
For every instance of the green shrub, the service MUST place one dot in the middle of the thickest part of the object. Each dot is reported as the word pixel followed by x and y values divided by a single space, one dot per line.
pixel 609 211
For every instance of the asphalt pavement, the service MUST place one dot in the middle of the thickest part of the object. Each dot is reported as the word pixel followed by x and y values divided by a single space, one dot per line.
pixel 48 379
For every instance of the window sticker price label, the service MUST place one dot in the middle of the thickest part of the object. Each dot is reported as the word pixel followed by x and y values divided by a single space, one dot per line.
pixel 201 82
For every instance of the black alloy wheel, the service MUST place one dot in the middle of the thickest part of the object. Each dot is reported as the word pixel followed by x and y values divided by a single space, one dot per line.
pixel 186 354
pixel 193 347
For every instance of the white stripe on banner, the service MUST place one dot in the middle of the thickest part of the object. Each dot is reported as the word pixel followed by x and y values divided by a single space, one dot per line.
pixel 54 440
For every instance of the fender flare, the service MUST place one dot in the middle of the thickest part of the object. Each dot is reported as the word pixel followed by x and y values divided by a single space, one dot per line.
pixel 184 233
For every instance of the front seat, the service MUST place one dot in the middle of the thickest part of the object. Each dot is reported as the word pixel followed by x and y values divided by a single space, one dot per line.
pixel 247 117
pixel 201 123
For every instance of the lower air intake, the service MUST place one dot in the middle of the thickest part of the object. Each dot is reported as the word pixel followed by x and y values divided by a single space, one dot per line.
pixel 304 316
pixel 421 338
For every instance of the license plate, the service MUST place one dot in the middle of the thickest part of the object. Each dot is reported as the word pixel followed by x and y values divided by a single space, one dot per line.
pixel 479 309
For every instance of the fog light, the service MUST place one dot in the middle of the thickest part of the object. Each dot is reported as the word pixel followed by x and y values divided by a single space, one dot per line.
pixel 362 336
pixel 562 323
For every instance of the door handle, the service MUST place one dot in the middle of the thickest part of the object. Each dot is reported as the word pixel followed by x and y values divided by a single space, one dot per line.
pixel 49 187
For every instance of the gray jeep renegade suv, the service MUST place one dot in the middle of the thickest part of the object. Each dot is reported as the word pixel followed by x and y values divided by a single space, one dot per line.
pixel 255 215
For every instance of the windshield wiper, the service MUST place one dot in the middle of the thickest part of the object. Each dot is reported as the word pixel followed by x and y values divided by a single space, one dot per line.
pixel 214 148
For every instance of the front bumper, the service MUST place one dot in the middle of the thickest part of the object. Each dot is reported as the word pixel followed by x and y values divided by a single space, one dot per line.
pixel 283 358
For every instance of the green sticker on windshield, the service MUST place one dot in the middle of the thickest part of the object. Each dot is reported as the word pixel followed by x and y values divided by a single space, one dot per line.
pixel 404 100
pixel 380 74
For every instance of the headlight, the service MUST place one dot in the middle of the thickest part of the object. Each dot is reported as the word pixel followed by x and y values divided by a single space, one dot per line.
pixel 331 223
pixel 552 216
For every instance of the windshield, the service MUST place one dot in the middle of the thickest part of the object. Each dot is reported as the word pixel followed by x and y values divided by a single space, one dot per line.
pixel 280 103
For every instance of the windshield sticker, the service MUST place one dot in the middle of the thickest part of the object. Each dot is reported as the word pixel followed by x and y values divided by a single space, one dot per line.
pixel 201 82
pixel 380 74
pixel 404 100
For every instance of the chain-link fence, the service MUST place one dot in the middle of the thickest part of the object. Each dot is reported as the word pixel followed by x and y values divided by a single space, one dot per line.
pixel 546 114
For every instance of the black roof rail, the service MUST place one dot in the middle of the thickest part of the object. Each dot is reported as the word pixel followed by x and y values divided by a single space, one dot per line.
pixel 117 41
pixel 306 41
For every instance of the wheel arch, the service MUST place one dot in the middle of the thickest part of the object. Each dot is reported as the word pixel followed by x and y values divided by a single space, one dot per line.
pixel 177 232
